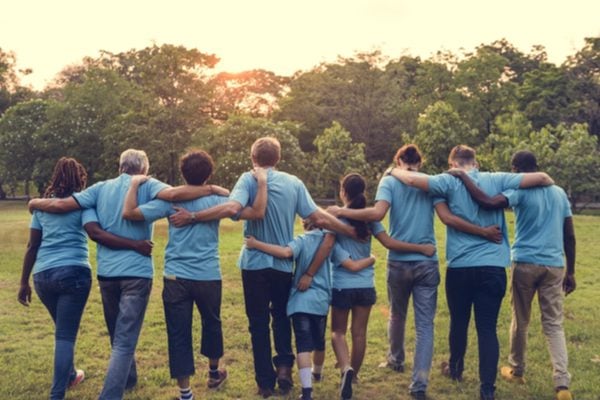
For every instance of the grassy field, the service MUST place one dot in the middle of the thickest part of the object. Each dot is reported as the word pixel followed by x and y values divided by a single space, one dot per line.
pixel 26 334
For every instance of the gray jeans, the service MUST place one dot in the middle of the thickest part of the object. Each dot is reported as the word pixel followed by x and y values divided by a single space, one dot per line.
pixel 421 279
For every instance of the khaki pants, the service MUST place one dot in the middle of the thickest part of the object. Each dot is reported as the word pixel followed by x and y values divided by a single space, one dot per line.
pixel 547 281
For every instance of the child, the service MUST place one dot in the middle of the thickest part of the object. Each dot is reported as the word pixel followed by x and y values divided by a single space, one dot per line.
pixel 310 295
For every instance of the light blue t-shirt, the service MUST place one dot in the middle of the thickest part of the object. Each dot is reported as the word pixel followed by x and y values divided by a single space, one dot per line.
pixel 64 242
pixel 193 250
pixel 287 196
pixel 411 217
pixel 345 248
pixel 107 198
pixel 463 249
pixel 540 217
pixel 315 300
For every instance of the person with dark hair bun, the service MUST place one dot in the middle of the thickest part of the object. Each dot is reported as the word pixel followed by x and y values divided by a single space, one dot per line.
pixel 354 290
pixel 57 253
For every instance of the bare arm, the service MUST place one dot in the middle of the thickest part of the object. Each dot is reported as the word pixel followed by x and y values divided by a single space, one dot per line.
pixel 99 235
pixel 131 210
pixel 35 239
pixel 480 197
pixel 491 233
pixel 389 243
pixel 184 217
pixel 55 206
pixel 190 192
pixel 324 220
pixel 375 213
pixel 569 283
pixel 259 207
pixel 276 251
pixel 320 256
pixel 358 265
pixel 533 179
pixel 410 178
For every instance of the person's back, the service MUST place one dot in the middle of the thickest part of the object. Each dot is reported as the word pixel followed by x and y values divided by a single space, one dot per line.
pixel 540 216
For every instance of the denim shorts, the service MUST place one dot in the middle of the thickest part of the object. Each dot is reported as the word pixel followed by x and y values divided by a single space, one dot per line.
pixel 348 298
pixel 309 330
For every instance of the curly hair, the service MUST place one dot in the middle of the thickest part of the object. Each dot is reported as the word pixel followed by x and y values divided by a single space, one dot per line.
pixel 69 176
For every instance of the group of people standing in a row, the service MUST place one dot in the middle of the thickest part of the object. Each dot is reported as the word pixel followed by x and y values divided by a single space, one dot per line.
pixel 333 266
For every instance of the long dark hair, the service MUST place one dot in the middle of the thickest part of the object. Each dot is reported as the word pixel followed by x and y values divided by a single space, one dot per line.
pixel 354 186
pixel 68 177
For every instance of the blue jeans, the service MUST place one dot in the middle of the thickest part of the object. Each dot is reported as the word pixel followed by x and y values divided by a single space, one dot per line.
pixel 480 289
pixel 421 279
pixel 266 292
pixel 124 302
pixel 64 291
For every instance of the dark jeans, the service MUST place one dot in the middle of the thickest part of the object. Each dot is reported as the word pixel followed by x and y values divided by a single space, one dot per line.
pixel 309 330
pixel 64 291
pixel 124 302
pixel 266 293
pixel 483 289
pixel 179 297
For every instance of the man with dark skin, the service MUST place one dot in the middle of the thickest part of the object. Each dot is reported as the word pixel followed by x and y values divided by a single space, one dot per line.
pixel 544 231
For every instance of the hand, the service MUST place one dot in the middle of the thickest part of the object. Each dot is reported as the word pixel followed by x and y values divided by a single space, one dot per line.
pixel 493 233
pixel 457 173
pixel 24 295
pixel 260 174
pixel 33 205
pixel 304 283
pixel 219 190
pixel 569 284
pixel 428 249
pixel 335 211
pixel 181 218
pixel 144 247
pixel 250 242
pixel 139 179
pixel 372 259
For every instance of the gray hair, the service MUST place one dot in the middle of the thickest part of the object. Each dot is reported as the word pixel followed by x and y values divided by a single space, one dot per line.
pixel 134 161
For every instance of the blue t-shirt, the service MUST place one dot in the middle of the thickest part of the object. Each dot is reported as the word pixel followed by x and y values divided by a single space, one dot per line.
pixel 540 217
pixel 345 248
pixel 287 196
pixel 411 217
pixel 193 250
pixel 64 242
pixel 107 198
pixel 463 249
pixel 316 299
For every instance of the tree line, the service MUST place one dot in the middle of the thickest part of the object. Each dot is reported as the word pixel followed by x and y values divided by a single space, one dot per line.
pixel 351 114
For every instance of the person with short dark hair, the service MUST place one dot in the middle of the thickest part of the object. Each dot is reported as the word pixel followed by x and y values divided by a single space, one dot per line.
pixel 544 233
pixel 57 253
pixel 267 280
pixel 476 276
pixel 192 274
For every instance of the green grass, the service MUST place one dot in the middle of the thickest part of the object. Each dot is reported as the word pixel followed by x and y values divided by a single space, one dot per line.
pixel 26 334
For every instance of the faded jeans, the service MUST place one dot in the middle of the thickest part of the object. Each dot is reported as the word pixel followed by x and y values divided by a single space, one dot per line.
pixel 64 291
pixel 124 302
pixel 421 279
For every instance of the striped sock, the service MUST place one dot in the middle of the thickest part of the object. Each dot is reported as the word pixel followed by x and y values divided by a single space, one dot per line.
pixel 186 394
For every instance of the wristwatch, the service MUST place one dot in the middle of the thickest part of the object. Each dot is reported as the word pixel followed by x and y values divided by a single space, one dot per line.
pixel 193 217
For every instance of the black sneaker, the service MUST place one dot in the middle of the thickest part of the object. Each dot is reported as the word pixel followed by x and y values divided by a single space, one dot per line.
pixel 216 382
pixel 419 395
pixel 317 377
pixel 346 385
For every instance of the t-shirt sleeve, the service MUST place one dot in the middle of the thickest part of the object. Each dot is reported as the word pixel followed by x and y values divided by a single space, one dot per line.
pixel 35 222
pixel 89 197
pixel 88 215
pixel 376 227
pixel 296 245
pixel 513 197
pixel 384 190
pixel 339 255
pixel 155 186
pixel 439 185
pixel 305 204
pixel 156 209
pixel 567 212
pixel 241 190
pixel 508 180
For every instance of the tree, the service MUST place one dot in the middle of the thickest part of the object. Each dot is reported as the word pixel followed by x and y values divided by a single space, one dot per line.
pixel 336 156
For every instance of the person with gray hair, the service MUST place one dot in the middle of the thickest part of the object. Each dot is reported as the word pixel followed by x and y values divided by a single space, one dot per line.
pixel 125 277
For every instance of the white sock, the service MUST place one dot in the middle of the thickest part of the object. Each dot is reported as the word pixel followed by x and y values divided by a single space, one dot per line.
pixel 305 377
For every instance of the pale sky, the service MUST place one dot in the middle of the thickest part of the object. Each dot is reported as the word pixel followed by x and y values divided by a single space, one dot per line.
pixel 284 35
